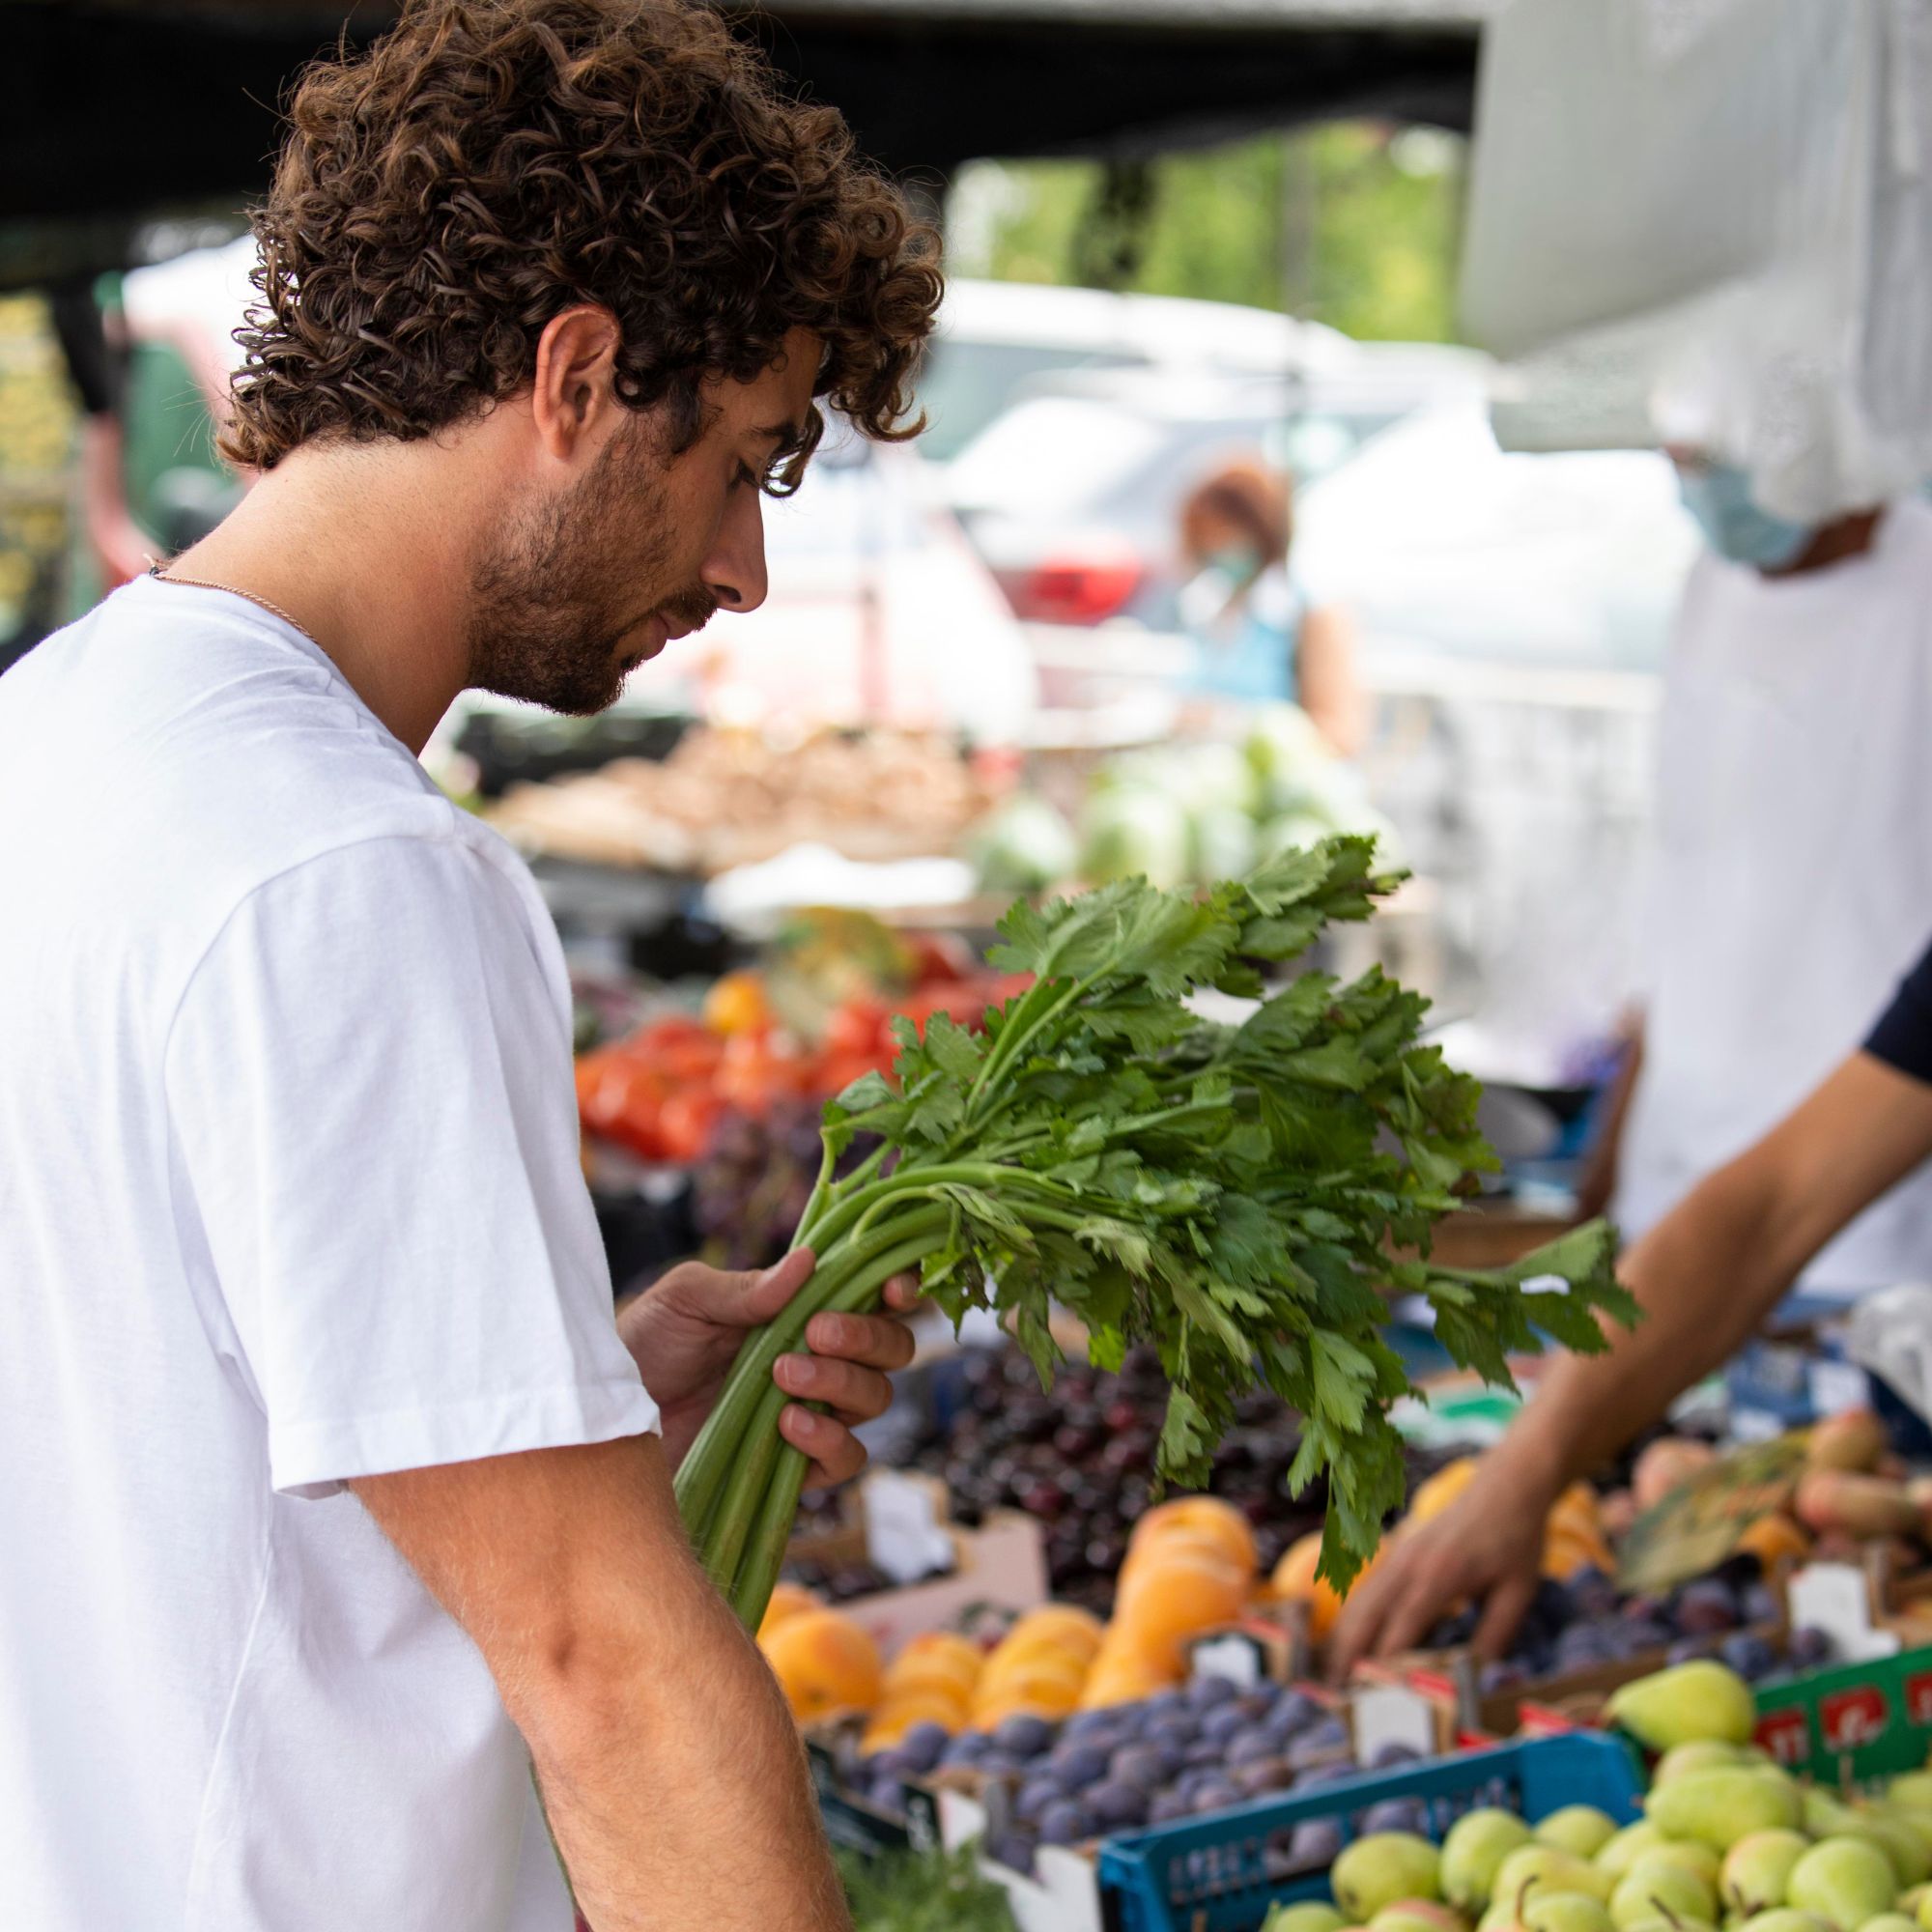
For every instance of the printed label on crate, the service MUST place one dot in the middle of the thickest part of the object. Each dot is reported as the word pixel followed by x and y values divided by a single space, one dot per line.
pixel 1786 1735
pixel 1918 1697
pixel 1391 1713
pixel 903 1536
pixel 1240 1658
pixel 1851 1723
pixel 1698 1523
pixel 1836 1598
pixel 1850 1719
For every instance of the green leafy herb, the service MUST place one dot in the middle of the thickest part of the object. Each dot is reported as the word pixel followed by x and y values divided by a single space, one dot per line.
pixel 922 1891
pixel 1236 1196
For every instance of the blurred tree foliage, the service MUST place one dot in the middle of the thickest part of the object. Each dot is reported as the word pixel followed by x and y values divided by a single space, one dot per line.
pixel 38 423
pixel 1353 223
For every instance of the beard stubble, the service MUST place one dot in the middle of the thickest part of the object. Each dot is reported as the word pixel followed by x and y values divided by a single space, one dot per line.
pixel 563 581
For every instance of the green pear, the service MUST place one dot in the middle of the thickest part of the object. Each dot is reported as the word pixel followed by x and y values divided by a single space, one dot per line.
pixel 1564 1912
pixel 1656 1924
pixel 1629 1844
pixel 1757 1869
pixel 1913 1828
pixel 1846 1881
pixel 1659 1887
pixel 1912 1898
pixel 1700 1701
pixel 1693 1857
pixel 1786 1919
pixel 1903 1841
pixel 1415 1915
pixel 1702 1754
pixel 1376 1870
pixel 1549 1869
pixel 1913 1788
pixel 1891 1922
pixel 1312 1915
pixel 1827 1816
pixel 1925 1913
pixel 1500 1917
pixel 1718 1807
pixel 1578 1827
pixel 1476 1844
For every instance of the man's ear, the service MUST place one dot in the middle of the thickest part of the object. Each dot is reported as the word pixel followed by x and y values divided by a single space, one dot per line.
pixel 576 376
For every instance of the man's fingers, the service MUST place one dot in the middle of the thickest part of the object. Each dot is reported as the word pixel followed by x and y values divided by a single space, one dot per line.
pixel 853 1392
pixel 876 1341
pixel 1504 1610
pixel 744 1301
pixel 836 1454
pixel 903 1293
pixel 1354 1634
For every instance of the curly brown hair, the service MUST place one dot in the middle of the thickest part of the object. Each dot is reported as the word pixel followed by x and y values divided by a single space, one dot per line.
pixel 489 164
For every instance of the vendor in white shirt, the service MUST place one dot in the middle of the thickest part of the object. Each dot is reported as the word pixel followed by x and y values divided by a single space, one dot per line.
pixel 1792 881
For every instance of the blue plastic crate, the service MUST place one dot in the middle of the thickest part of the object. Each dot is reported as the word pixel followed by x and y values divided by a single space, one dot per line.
pixel 1219 1874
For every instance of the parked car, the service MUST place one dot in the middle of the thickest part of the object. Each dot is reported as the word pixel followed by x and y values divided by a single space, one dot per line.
pixel 1073 494
pixel 995 339
pixel 1441 542
pixel 879 613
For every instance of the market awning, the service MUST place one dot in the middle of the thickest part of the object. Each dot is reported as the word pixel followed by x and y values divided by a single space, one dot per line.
pixel 114 113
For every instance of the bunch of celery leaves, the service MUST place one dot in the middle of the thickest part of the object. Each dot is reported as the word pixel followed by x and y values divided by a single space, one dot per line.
pixel 1244 1197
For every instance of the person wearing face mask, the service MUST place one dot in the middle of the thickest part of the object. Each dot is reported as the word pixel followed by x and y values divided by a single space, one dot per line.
pixel 1793 850
pixel 1257 639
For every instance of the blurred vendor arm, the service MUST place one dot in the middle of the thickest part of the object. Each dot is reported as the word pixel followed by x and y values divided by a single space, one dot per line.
pixel 1328 686
pixel 1704 1277
pixel 1598 1186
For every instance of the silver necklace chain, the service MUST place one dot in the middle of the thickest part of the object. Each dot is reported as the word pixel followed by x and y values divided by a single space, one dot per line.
pixel 160 572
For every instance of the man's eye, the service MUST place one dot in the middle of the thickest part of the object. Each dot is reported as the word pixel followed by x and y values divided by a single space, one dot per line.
pixel 746 475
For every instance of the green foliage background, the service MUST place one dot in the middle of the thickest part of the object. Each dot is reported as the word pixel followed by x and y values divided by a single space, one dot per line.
pixel 1351 223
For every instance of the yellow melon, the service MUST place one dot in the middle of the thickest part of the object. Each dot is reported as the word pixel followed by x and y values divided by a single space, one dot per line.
pixel 938 1658
pixel 1207 1517
pixel 788 1599
pixel 1175 1594
pixel 824 1663
pixel 1069 1628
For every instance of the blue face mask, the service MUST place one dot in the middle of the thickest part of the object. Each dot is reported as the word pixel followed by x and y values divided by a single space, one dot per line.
pixel 1718 497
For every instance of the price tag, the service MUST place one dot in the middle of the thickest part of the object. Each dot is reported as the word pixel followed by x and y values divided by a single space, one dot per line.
pixel 1235 1656
pixel 1391 1713
pixel 902 1533
pixel 1836 1599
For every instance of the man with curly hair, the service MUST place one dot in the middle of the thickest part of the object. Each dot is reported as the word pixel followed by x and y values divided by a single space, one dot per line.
pixel 337 1504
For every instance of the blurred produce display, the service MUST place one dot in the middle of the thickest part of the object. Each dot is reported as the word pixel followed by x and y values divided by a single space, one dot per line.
pixel 38 424
pixel 1188 812
pixel 1081 1460
pixel 921 1892
pixel 736 1089
pixel 725 798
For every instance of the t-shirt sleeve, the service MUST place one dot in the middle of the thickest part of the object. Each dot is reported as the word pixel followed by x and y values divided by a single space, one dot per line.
pixel 375 1130
pixel 1903 1037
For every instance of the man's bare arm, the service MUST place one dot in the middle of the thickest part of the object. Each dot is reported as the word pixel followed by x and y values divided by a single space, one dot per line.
pixel 1705 1276
pixel 667 1761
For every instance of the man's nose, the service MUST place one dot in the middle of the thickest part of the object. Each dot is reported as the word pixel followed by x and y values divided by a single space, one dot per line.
pixel 735 574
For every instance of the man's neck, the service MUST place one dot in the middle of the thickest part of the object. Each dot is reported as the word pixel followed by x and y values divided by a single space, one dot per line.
pixel 355 546
pixel 1832 543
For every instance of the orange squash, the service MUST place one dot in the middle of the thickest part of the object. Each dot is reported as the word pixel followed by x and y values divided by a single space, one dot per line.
pixel 1065 1626
pixel 824 1663
pixel 1175 1594
pixel 788 1599
pixel 1206 1517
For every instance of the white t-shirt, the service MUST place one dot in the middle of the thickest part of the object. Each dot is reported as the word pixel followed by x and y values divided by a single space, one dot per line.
pixel 1792 885
pixel 289 1194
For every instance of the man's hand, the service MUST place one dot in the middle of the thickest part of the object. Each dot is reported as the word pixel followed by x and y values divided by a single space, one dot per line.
pixel 1486 1544
pixel 685 1329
